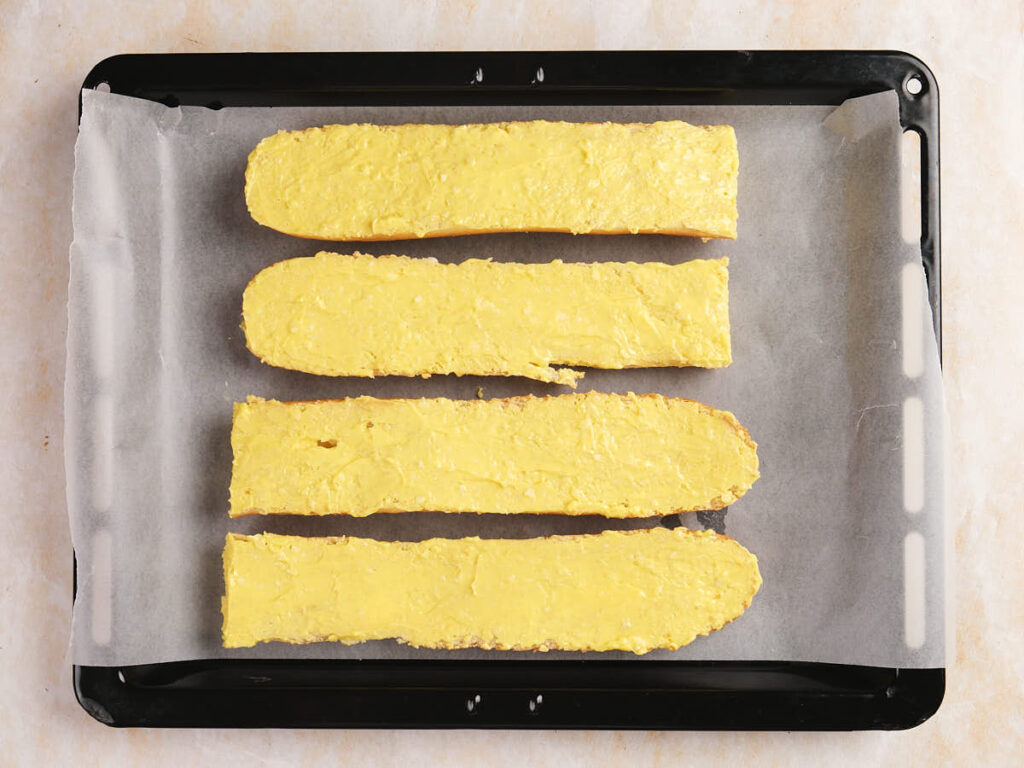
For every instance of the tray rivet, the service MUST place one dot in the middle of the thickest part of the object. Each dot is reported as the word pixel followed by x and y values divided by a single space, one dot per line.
pixel 914 85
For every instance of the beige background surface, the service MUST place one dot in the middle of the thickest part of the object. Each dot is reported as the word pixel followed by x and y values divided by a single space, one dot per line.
pixel 977 53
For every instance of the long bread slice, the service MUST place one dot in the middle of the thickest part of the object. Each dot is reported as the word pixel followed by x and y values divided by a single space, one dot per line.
pixel 619 590
pixel 593 453
pixel 362 315
pixel 390 182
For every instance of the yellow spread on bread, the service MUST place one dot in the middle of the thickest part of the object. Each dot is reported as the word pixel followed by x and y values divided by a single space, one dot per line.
pixel 363 315
pixel 593 453
pixel 387 182
pixel 619 590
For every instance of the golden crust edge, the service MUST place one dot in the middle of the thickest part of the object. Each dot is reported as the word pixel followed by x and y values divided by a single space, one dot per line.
pixel 724 234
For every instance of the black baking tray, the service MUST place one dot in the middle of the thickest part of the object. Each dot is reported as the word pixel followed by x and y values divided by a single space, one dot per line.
pixel 710 695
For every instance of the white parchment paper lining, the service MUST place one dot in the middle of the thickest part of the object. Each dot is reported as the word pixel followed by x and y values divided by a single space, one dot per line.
pixel 163 247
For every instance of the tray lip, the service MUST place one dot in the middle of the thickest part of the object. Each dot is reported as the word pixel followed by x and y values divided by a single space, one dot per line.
pixel 107 695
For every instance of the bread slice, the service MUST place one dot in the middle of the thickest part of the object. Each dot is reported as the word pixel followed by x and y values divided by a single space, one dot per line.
pixel 392 182
pixel 619 590
pixel 593 453
pixel 363 315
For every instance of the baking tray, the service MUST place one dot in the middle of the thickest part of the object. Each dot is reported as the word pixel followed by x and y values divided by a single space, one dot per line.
pixel 718 695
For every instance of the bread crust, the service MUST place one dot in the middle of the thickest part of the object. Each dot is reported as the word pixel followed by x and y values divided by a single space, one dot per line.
pixel 672 231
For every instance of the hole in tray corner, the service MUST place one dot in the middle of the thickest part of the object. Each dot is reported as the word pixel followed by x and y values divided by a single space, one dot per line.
pixel 103 87
pixel 914 85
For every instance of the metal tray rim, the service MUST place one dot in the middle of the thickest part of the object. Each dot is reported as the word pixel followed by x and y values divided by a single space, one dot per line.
pixel 584 694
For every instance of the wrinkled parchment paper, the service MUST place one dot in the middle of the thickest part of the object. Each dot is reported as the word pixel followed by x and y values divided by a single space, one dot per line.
pixel 163 247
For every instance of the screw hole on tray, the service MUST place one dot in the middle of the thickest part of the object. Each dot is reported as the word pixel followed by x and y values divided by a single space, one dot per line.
pixel 473 704
pixel 103 87
pixel 914 85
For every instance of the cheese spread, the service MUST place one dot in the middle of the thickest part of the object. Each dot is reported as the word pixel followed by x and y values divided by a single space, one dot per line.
pixel 592 453
pixel 362 315
pixel 387 182
pixel 618 590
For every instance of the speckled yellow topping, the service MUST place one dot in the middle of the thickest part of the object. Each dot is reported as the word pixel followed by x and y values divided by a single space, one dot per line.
pixel 632 591
pixel 362 315
pixel 592 453
pixel 384 182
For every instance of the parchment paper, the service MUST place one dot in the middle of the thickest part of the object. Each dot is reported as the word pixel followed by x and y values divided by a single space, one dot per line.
pixel 163 247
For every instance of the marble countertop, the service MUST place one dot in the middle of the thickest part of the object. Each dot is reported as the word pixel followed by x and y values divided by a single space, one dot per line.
pixel 978 58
